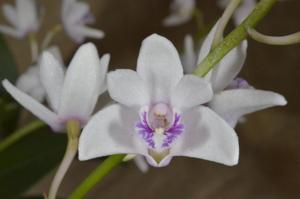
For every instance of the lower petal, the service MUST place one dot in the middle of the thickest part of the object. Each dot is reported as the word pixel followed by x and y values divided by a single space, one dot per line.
pixel 33 106
pixel 207 136
pixel 111 131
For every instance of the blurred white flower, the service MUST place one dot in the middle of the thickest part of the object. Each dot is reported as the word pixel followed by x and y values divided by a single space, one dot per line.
pixel 181 12
pixel 233 97
pixel 30 83
pixel 189 56
pixel 75 15
pixel 241 12
pixel 71 95
pixel 159 114
pixel 24 18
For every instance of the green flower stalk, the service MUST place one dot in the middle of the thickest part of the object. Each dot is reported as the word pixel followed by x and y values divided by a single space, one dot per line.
pixel 234 38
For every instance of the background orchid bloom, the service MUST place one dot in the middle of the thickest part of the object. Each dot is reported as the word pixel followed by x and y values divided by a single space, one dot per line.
pixel 181 12
pixel 30 82
pixel 24 18
pixel 159 114
pixel 241 12
pixel 234 98
pixel 72 95
pixel 75 16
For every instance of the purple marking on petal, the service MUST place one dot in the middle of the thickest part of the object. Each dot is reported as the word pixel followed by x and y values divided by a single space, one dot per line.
pixel 238 83
pixel 88 18
pixel 173 132
pixel 145 131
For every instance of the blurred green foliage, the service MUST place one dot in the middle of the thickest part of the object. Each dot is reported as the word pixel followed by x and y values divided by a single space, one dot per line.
pixel 8 69
pixel 28 160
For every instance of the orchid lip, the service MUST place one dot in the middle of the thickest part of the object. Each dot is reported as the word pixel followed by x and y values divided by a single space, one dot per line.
pixel 156 131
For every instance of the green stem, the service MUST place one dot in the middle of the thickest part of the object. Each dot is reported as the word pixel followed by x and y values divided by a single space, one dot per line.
pixel 20 133
pixel 96 176
pixel 73 130
pixel 234 38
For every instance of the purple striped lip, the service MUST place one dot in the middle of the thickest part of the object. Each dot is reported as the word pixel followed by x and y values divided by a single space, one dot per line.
pixel 147 133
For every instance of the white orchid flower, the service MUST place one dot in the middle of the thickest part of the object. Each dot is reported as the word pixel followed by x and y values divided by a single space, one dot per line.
pixel 241 12
pixel 72 95
pixel 234 97
pixel 181 12
pixel 159 114
pixel 30 83
pixel 75 15
pixel 24 18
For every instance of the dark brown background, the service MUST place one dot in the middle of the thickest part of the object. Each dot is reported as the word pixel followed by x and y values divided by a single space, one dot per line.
pixel 270 140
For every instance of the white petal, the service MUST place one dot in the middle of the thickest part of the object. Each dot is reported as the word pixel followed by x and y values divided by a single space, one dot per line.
pixel 208 137
pixel 189 57
pixel 191 91
pixel 11 32
pixel 126 87
pixel 82 84
pixel 111 131
pixel 33 106
pixel 27 15
pixel 206 47
pixel 232 104
pixel 175 20
pixel 228 68
pixel 104 61
pixel 182 11
pixel 30 83
pixel 10 13
pixel 52 78
pixel 159 65
pixel 141 163
pixel 54 50
pixel 78 11
pixel 85 31
pixel 243 11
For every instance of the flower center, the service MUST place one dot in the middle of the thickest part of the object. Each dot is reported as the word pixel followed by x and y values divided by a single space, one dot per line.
pixel 160 117
pixel 159 126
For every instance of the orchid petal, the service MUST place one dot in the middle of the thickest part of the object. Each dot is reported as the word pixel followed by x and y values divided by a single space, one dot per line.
pixel 208 137
pixel 52 78
pixel 82 84
pixel 159 65
pixel 175 20
pixel 191 91
pixel 10 13
pixel 86 31
pixel 206 47
pixel 126 87
pixel 11 31
pixel 228 68
pixel 30 83
pixel 141 163
pixel 33 106
pixel 78 11
pixel 27 15
pixel 189 57
pixel 104 61
pixel 232 104
pixel 111 131
pixel 54 50
pixel 243 11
